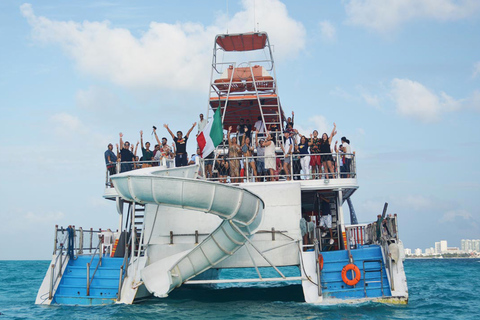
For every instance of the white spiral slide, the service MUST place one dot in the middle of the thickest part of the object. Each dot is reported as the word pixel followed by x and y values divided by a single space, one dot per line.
pixel 241 210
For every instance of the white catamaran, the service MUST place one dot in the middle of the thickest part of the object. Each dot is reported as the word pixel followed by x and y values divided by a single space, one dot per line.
pixel 182 226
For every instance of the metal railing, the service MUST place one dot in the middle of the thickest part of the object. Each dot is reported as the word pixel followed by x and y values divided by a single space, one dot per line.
pixel 125 166
pixel 252 168
pixel 356 235
pixel 83 240
pixel 99 263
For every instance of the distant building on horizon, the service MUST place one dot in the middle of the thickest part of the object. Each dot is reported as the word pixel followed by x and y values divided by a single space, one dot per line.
pixel 441 246
pixel 468 245
pixel 418 252
pixel 408 252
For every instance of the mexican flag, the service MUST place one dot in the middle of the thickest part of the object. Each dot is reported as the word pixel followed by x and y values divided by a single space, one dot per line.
pixel 211 136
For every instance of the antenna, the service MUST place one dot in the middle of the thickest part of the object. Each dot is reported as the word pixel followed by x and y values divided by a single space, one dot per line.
pixel 227 17
pixel 254 15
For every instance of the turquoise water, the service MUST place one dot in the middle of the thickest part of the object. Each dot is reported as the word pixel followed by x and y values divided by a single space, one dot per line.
pixel 439 289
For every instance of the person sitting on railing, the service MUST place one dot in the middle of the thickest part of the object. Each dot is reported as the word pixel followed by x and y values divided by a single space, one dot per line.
pixel 270 162
pixel 110 161
pixel 287 148
pixel 326 150
pixel 315 160
pixel 126 155
pixel 221 166
pixel 260 160
pixel 234 153
pixel 348 156
pixel 201 123
pixel 181 145
pixel 326 218
pixel 147 154
pixel 247 151
pixel 304 156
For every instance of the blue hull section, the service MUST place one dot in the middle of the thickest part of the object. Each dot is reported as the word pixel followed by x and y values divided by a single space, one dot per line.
pixel 72 289
pixel 369 261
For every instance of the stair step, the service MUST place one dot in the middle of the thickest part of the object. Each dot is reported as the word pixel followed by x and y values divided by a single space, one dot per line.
pixel 83 300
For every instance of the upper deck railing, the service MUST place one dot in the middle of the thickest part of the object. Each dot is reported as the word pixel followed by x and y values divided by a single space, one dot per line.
pixel 250 169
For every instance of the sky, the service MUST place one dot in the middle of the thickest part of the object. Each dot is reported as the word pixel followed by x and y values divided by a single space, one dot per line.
pixel 401 80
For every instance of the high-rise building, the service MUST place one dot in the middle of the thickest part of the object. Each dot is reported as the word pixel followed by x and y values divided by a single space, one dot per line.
pixel 418 252
pixel 437 247
pixel 443 246
pixel 408 252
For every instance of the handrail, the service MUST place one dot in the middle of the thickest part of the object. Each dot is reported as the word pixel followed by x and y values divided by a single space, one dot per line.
pixel 297 172
pixel 58 274
pixel 99 263
pixel 124 267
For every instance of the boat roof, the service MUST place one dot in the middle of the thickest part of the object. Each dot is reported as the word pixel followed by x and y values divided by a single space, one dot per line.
pixel 247 107
pixel 242 41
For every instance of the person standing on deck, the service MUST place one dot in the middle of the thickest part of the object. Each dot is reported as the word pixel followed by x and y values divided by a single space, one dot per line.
pixel 111 162
pixel 326 150
pixel 315 160
pixel 147 154
pixel 125 155
pixel 270 162
pixel 201 123
pixel 287 148
pixel 181 145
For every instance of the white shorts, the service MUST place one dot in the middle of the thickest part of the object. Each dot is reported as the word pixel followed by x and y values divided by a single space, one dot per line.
pixel 326 221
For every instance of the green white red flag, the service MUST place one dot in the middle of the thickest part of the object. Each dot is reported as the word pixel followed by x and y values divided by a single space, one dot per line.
pixel 211 136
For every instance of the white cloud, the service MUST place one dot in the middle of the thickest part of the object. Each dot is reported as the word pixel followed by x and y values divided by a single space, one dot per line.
pixel 44 218
pixel 454 215
pixel 98 98
pixel 327 30
pixel 476 69
pixel 172 56
pixel 386 15
pixel 70 128
pixel 414 100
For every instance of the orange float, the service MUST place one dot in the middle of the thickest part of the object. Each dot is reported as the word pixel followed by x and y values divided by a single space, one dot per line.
pixel 355 269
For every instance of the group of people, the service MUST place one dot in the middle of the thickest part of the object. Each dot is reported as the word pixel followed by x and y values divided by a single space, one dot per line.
pixel 303 158
pixel 162 153
pixel 252 151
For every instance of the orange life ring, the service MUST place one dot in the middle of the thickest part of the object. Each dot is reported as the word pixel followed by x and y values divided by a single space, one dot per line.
pixel 320 261
pixel 355 269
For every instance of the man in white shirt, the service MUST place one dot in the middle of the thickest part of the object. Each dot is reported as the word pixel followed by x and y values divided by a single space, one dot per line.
pixel 201 123
pixel 287 148
pixel 348 155
pixel 259 126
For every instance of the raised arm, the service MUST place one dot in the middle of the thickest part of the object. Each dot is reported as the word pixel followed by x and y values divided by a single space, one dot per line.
pixel 256 137
pixel 293 117
pixel 136 147
pixel 169 131
pixel 121 140
pixel 156 137
pixel 188 133
pixel 310 141
pixel 334 132
pixel 141 138
pixel 174 149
